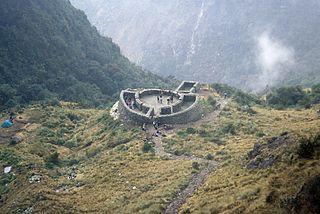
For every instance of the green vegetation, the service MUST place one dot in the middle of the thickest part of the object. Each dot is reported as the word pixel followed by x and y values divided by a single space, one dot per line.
pixel 294 96
pixel 195 165
pixel 286 96
pixel 114 165
pixel 209 104
pixel 283 97
pixel 8 157
pixel 307 147
pixel 54 52
pixel 239 96
pixel 83 161
pixel 52 160
pixel 147 147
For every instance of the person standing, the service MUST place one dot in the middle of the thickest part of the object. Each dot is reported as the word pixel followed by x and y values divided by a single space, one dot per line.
pixel 144 127
pixel 225 95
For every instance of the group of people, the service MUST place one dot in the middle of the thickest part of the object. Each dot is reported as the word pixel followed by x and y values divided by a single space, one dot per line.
pixel 156 126
pixel 161 96
pixel 154 123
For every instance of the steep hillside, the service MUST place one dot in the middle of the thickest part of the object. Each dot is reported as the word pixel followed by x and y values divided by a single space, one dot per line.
pixel 49 49
pixel 237 159
pixel 248 44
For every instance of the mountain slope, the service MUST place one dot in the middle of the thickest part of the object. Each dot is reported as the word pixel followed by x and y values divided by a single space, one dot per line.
pixel 68 159
pixel 248 44
pixel 49 49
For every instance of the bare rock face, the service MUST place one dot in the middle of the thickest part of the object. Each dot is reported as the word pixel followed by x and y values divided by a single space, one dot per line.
pixel 212 40
pixel 262 154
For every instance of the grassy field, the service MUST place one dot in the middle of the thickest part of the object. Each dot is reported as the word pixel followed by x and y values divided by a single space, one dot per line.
pixel 235 189
pixel 114 175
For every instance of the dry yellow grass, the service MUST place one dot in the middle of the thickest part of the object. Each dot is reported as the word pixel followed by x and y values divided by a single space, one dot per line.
pixel 123 179
pixel 235 189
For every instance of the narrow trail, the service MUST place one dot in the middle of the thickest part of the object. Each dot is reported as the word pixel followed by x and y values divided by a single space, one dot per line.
pixel 196 179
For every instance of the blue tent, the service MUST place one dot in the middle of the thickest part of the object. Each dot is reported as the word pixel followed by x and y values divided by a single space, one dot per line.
pixel 7 124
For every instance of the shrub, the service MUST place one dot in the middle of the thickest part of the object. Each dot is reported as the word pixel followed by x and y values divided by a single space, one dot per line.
pixel 243 98
pixel 286 96
pixel 190 130
pixel 73 117
pixel 6 178
pixel 72 162
pixel 147 147
pixel 203 133
pixel 70 144
pixel 46 132
pixel 50 124
pixel 182 134
pixel 212 102
pixel 8 157
pixel 52 160
pixel 178 152
pixel 260 134
pixel 93 152
pixel 53 102
pixel 58 141
pixel 307 147
pixel 209 157
pixel 195 165
pixel 229 129
pixel 14 140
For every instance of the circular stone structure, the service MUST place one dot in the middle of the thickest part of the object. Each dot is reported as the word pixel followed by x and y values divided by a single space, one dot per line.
pixel 146 106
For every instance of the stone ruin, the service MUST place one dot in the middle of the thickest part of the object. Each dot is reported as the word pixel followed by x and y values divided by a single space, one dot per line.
pixel 142 106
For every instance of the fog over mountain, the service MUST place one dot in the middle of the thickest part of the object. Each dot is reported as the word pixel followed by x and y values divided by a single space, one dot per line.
pixel 245 43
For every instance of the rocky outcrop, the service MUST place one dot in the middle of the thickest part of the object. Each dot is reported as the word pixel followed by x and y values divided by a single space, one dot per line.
pixel 261 156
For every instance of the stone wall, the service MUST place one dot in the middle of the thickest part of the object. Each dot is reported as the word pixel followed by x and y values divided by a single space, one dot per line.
pixel 131 116
pixel 189 86
pixel 189 97
pixel 176 107
pixel 193 113
pixel 169 114
pixel 165 110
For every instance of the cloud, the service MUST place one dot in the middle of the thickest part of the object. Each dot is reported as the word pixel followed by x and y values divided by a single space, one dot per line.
pixel 273 59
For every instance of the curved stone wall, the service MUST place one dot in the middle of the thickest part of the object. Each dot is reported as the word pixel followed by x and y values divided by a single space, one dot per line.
pixel 132 116
pixel 192 113
pixel 169 114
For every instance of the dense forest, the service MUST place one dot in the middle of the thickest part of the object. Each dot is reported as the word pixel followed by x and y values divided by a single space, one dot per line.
pixel 49 51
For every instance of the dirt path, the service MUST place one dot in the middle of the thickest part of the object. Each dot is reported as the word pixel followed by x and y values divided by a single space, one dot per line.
pixel 198 178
